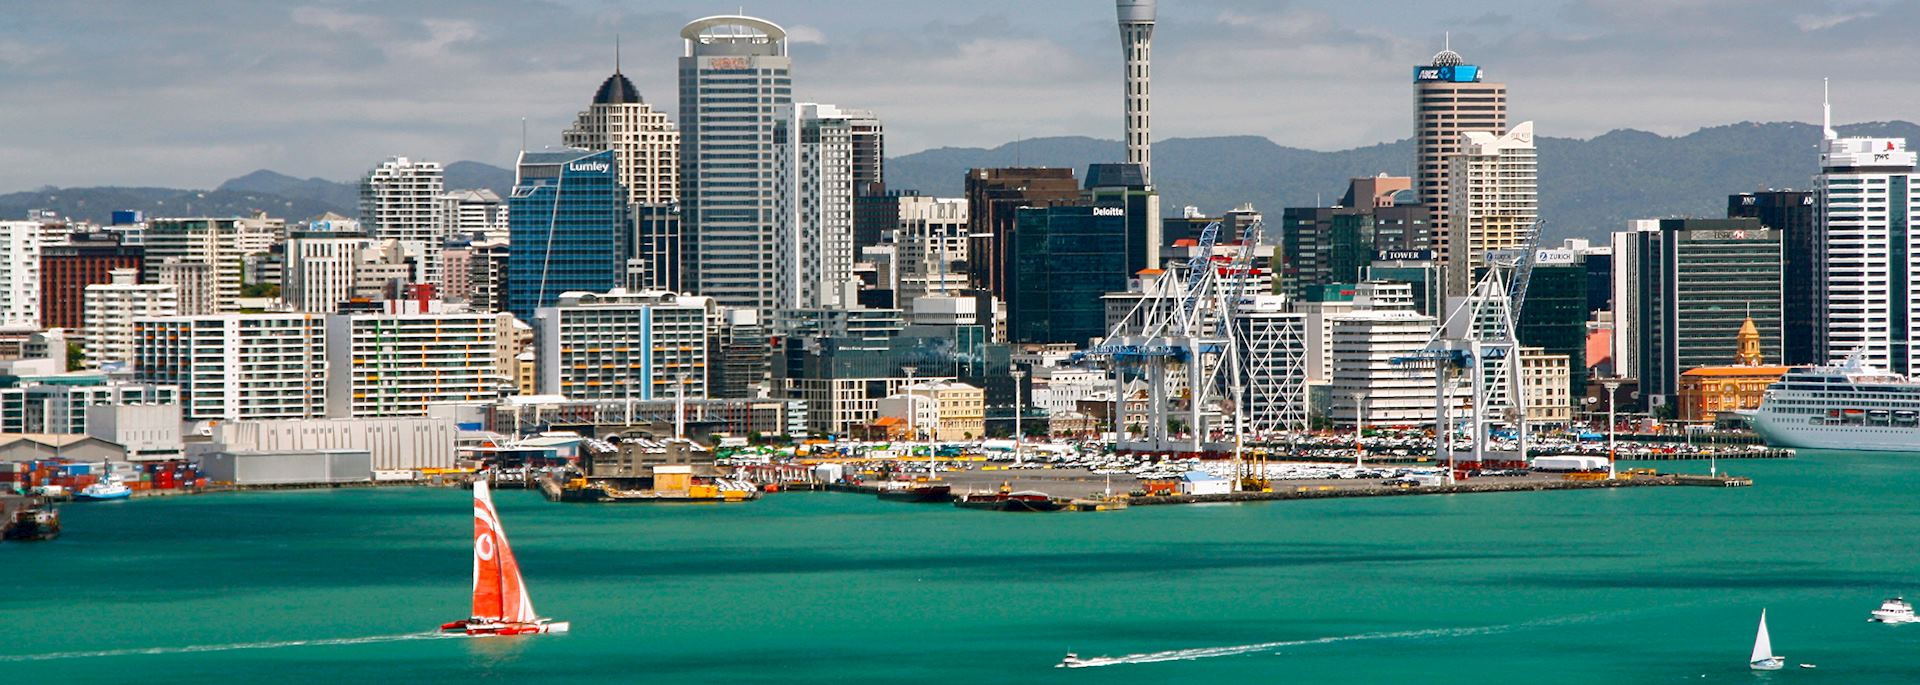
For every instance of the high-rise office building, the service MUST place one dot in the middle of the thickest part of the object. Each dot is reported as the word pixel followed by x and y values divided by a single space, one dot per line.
pixel 647 149
pixel 1064 261
pixel 110 308
pixel 645 145
pixel 1795 215
pixel 735 81
pixel 1553 316
pixel 1868 251
pixel 814 190
pixel 401 200
pixel 1688 286
pixel 1125 187
pixel 1494 202
pixel 1449 98
pixel 20 274
pixel 1136 46
pixel 487 275
pixel 568 218
pixel 1328 245
pixel 66 270
pixel 993 196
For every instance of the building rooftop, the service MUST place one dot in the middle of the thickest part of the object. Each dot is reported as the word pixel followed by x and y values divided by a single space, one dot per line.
pixel 1732 371
pixel 617 90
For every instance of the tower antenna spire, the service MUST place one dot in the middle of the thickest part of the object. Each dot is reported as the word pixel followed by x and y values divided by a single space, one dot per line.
pixel 1826 110
pixel 616 53
pixel 1446 40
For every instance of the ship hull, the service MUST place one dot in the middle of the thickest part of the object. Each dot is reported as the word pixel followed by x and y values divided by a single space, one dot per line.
pixel 925 494
pixel 1796 432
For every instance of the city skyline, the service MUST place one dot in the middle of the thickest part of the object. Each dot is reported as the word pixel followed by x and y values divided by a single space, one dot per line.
pixel 451 82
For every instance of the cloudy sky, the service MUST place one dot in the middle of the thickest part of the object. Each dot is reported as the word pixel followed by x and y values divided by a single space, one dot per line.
pixel 187 94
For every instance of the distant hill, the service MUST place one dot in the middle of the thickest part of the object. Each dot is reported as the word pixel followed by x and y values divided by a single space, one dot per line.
pixel 1587 187
pixel 264 190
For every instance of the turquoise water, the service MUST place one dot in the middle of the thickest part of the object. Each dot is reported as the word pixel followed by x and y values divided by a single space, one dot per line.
pixel 1630 586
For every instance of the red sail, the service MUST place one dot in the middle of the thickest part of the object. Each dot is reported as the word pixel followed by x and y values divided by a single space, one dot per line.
pixel 498 593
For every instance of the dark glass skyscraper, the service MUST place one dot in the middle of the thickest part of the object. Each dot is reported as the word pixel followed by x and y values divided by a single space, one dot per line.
pixel 993 195
pixel 1063 262
pixel 1792 213
pixel 569 226
pixel 1697 280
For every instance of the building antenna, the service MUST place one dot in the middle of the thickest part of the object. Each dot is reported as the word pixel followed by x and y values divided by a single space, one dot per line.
pixel 1446 40
pixel 523 135
pixel 616 53
pixel 1826 110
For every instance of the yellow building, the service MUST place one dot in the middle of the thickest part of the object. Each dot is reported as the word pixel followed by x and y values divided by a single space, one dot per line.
pixel 1707 391
pixel 946 410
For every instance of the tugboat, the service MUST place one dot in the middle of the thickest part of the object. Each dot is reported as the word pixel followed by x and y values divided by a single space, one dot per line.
pixel 38 520
pixel 1895 610
pixel 908 491
pixel 1009 500
pixel 501 605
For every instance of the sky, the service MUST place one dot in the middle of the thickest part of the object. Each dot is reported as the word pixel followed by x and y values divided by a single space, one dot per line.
pixel 188 94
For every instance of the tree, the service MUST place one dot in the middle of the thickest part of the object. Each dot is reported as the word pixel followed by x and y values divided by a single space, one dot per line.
pixel 76 356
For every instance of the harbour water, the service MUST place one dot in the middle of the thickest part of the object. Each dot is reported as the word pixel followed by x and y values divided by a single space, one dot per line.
pixel 1637 585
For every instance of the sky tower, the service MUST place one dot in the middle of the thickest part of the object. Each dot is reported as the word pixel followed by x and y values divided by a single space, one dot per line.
pixel 1136 43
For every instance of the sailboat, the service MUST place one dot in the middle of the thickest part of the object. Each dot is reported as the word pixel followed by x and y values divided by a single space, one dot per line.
pixel 1763 657
pixel 501 605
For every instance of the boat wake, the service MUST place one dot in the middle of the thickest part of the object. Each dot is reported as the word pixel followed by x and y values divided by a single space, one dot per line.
pixel 1210 652
pixel 194 649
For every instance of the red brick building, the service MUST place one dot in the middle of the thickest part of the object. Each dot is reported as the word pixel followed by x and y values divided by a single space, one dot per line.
pixel 67 270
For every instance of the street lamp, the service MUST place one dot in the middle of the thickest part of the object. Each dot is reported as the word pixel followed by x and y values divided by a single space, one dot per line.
pixel 1613 396
pixel 912 432
pixel 1018 436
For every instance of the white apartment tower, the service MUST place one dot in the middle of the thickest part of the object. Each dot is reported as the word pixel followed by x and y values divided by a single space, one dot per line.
pixel 622 345
pixel 1136 46
pixel 401 200
pixel 813 201
pixel 204 257
pixel 930 238
pixel 467 213
pixel 20 274
pixel 399 364
pixel 237 366
pixel 109 309
pixel 1867 246
pixel 1494 201
pixel 735 82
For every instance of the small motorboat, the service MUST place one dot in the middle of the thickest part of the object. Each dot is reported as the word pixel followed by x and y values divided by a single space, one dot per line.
pixel 111 488
pixel 1808 666
pixel 1895 610
pixel 1072 661
pixel 1763 657
pixel 501 605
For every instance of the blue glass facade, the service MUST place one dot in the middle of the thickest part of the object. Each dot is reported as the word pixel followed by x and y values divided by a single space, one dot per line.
pixel 569 228
pixel 1065 259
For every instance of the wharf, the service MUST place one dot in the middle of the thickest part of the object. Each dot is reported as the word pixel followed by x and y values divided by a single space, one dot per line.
pixel 1477 485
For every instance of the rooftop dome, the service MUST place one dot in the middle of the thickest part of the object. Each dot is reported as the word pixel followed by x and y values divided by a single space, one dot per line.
pixel 617 90
pixel 1448 58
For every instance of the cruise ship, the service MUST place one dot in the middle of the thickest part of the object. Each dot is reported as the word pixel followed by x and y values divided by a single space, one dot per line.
pixel 1852 407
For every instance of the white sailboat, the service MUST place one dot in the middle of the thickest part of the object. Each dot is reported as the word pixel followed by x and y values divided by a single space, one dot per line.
pixel 1763 657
